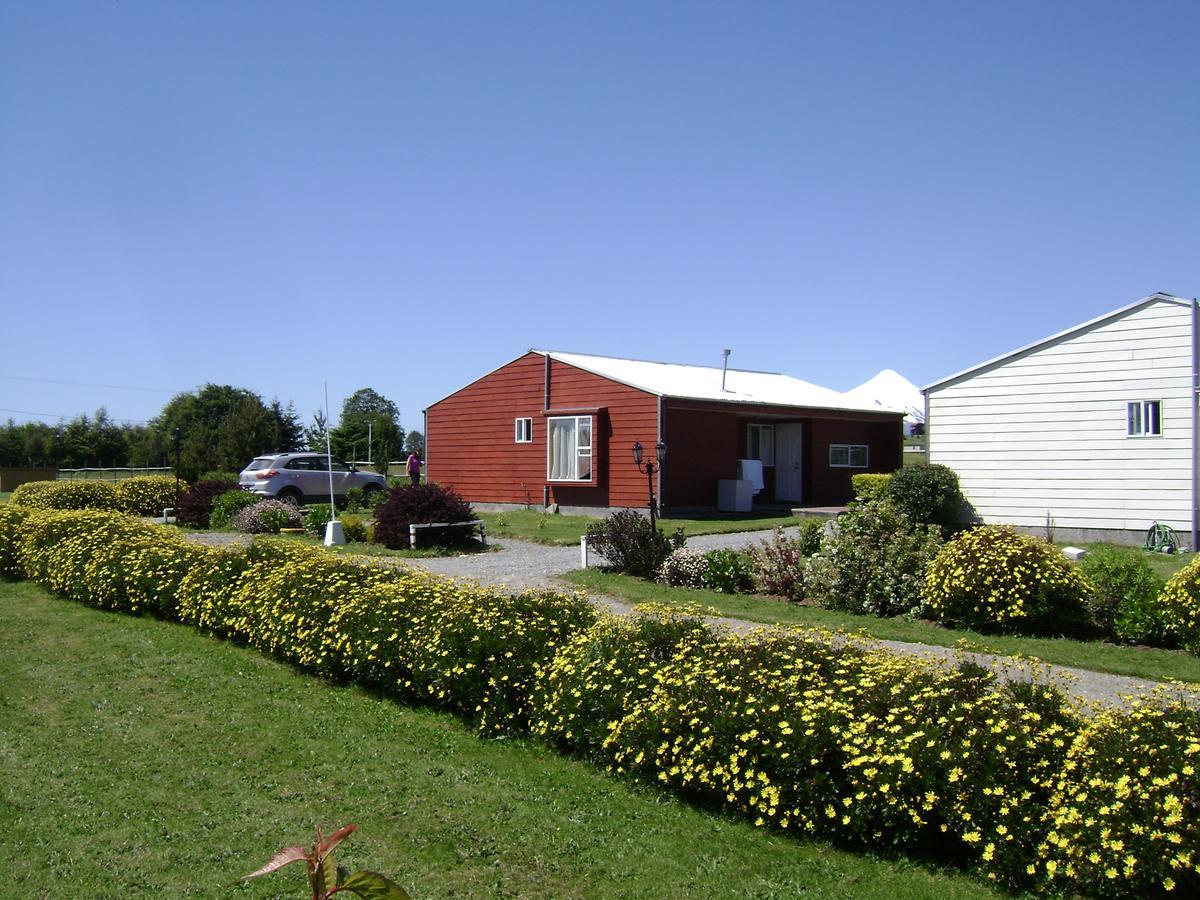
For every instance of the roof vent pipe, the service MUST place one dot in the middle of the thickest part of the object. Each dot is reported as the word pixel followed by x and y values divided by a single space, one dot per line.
pixel 724 366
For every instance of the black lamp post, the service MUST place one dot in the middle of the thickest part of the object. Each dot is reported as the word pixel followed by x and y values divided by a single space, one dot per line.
pixel 177 440
pixel 660 451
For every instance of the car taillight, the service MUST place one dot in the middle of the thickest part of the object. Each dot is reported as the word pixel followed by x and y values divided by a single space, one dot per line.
pixel 263 476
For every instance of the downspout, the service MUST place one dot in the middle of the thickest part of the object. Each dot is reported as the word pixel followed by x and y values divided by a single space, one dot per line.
pixel 926 395
pixel 546 406
pixel 1195 429
pixel 424 448
pixel 662 436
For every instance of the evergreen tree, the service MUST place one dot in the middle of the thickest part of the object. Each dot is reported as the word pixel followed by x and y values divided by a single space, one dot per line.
pixel 367 407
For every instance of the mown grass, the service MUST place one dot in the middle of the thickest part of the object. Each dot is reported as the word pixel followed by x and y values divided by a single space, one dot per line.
pixel 141 759
pixel 558 530
pixel 1140 662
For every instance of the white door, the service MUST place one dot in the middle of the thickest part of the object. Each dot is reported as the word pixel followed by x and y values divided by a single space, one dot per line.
pixel 788 474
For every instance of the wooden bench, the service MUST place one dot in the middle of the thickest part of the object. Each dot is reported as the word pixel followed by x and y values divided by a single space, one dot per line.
pixel 473 524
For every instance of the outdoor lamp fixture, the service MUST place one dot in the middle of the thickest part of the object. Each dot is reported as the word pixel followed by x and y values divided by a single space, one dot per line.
pixel 660 451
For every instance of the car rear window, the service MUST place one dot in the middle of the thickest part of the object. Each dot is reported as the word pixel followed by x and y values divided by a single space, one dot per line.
pixel 263 462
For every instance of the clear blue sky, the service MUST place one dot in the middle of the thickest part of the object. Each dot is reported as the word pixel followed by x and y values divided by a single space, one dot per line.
pixel 406 195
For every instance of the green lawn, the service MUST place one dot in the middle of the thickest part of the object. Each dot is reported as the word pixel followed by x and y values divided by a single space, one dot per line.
pixel 1139 662
pixel 544 528
pixel 141 759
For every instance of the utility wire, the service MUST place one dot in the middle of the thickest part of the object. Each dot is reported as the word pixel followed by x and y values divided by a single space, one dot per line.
pixel 115 387
pixel 26 412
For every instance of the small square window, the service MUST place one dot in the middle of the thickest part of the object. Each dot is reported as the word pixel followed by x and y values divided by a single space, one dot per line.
pixel 848 456
pixel 524 431
pixel 1144 418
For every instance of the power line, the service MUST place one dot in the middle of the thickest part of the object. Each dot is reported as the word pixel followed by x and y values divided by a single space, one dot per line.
pixel 115 387
pixel 26 412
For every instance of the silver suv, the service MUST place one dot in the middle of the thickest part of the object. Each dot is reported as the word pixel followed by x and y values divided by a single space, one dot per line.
pixel 298 478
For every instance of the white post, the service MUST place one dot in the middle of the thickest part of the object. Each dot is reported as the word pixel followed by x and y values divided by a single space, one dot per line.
pixel 583 560
pixel 412 537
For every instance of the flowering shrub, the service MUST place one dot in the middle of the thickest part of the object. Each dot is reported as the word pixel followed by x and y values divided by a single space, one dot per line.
pixel 1124 600
pixel 873 563
pixel 727 571
pixel 207 589
pixel 995 579
pixel 12 521
pixel 196 503
pixel 1179 607
pixel 417 504
pixel 630 544
pixel 226 506
pixel 867 486
pixel 777 566
pixel 66 495
pixel 1125 816
pixel 683 568
pixel 267 517
pixel 146 495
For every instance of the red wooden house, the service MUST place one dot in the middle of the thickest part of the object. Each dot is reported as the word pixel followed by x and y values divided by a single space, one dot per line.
pixel 553 427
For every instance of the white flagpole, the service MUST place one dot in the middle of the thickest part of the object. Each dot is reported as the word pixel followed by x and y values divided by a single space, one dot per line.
pixel 333 529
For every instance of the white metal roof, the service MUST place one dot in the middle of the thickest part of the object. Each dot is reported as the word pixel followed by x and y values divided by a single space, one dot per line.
pixel 1115 314
pixel 704 383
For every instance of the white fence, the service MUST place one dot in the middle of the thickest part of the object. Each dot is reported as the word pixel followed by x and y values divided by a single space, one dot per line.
pixel 110 474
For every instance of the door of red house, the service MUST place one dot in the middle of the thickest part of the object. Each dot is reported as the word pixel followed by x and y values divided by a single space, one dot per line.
pixel 788 473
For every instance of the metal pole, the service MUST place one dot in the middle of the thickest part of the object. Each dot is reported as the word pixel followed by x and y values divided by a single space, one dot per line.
pixel 650 483
pixel 369 424
pixel 329 456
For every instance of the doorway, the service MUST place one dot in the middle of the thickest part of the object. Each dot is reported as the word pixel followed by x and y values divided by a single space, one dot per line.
pixel 789 473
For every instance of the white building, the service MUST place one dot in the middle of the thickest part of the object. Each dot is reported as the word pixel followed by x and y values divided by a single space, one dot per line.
pixel 1094 427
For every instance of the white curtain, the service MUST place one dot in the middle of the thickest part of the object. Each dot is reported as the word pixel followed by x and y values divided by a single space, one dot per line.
pixel 562 449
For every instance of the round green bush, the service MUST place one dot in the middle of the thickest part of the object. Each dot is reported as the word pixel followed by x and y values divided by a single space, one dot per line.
pixel 30 493
pixel 1179 607
pixel 928 494
pixel 226 506
pixel 993 578
pixel 1125 598
pixel 873 563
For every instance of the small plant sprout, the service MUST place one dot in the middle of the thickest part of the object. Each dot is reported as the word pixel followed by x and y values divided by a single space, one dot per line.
pixel 325 878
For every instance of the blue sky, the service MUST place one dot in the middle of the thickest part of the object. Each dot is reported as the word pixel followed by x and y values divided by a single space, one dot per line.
pixel 403 195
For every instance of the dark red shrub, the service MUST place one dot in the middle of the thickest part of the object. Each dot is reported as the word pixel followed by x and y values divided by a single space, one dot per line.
pixel 418 504
pixel 196 503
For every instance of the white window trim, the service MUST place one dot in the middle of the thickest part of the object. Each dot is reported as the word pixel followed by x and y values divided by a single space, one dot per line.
pixel 528 430
pixel 1143 406
pixel 766 443
pixel 575 457
pixel 849 448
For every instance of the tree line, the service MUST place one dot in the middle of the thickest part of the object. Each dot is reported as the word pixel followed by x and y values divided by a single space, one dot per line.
pixel 215 428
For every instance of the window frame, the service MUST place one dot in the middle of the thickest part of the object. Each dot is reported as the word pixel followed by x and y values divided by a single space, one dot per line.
pixel 1143 419
pixel 527 430
pixel 766 441
pixel 578 451
pixel 849 463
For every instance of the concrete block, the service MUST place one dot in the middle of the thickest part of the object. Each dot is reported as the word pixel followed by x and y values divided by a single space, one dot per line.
pixel 1074 553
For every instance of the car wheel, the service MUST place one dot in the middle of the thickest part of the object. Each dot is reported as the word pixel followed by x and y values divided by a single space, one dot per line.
pixel 370 492
pixel 291 498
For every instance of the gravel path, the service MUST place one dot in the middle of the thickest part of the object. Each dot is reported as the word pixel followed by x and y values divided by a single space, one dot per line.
pixel 518 565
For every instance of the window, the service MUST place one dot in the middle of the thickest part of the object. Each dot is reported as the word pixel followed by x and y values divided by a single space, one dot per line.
pixel 1145 418
pixel 524 431
pixel 569 448
pixel 848 456
pixel 760 443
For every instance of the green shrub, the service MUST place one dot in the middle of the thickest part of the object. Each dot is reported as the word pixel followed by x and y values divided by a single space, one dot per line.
pixel 316 517
pixel 1179 608
pixel 355 498
pixel 355 528
pixel 146 495
pixel 226 506
pixel 869 486
pixel 777 566
pixel 727 571
pixel 928 494
pixel 1124 602
pixel 12 524
pixel 630 544
pixel 196 503
pixel 219 475
pixel 267 517
pixel 66 495
pixel 812 534
pixel 993 578
pixel 1125 816
pixel 874 562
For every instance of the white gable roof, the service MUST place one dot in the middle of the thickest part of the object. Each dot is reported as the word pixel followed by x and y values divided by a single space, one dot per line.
pixel 890 390
pixel 704 383
pixel 1091 323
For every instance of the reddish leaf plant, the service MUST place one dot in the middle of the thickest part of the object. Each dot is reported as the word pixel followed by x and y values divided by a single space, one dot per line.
pixel 325 878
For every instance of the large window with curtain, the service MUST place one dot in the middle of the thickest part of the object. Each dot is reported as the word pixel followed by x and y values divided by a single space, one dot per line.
pixel 569 448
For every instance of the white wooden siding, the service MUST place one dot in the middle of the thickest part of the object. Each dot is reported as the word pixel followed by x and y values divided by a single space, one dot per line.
pixel 1045 432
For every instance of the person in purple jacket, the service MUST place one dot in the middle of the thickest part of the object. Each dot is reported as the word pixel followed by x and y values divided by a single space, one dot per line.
pixel 414 467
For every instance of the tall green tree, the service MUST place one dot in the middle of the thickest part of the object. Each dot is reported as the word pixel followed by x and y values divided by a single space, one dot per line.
pixel 414 443
pixel 364 408
pixel 289 433
pixel 220 427
pixel 314 434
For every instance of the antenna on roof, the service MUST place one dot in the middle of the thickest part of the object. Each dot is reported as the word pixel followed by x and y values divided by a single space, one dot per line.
pixel 724 365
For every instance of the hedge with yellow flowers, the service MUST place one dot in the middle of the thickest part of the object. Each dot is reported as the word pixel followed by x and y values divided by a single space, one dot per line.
pixel 145 495
pixel 1178 607
pixel 802 731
